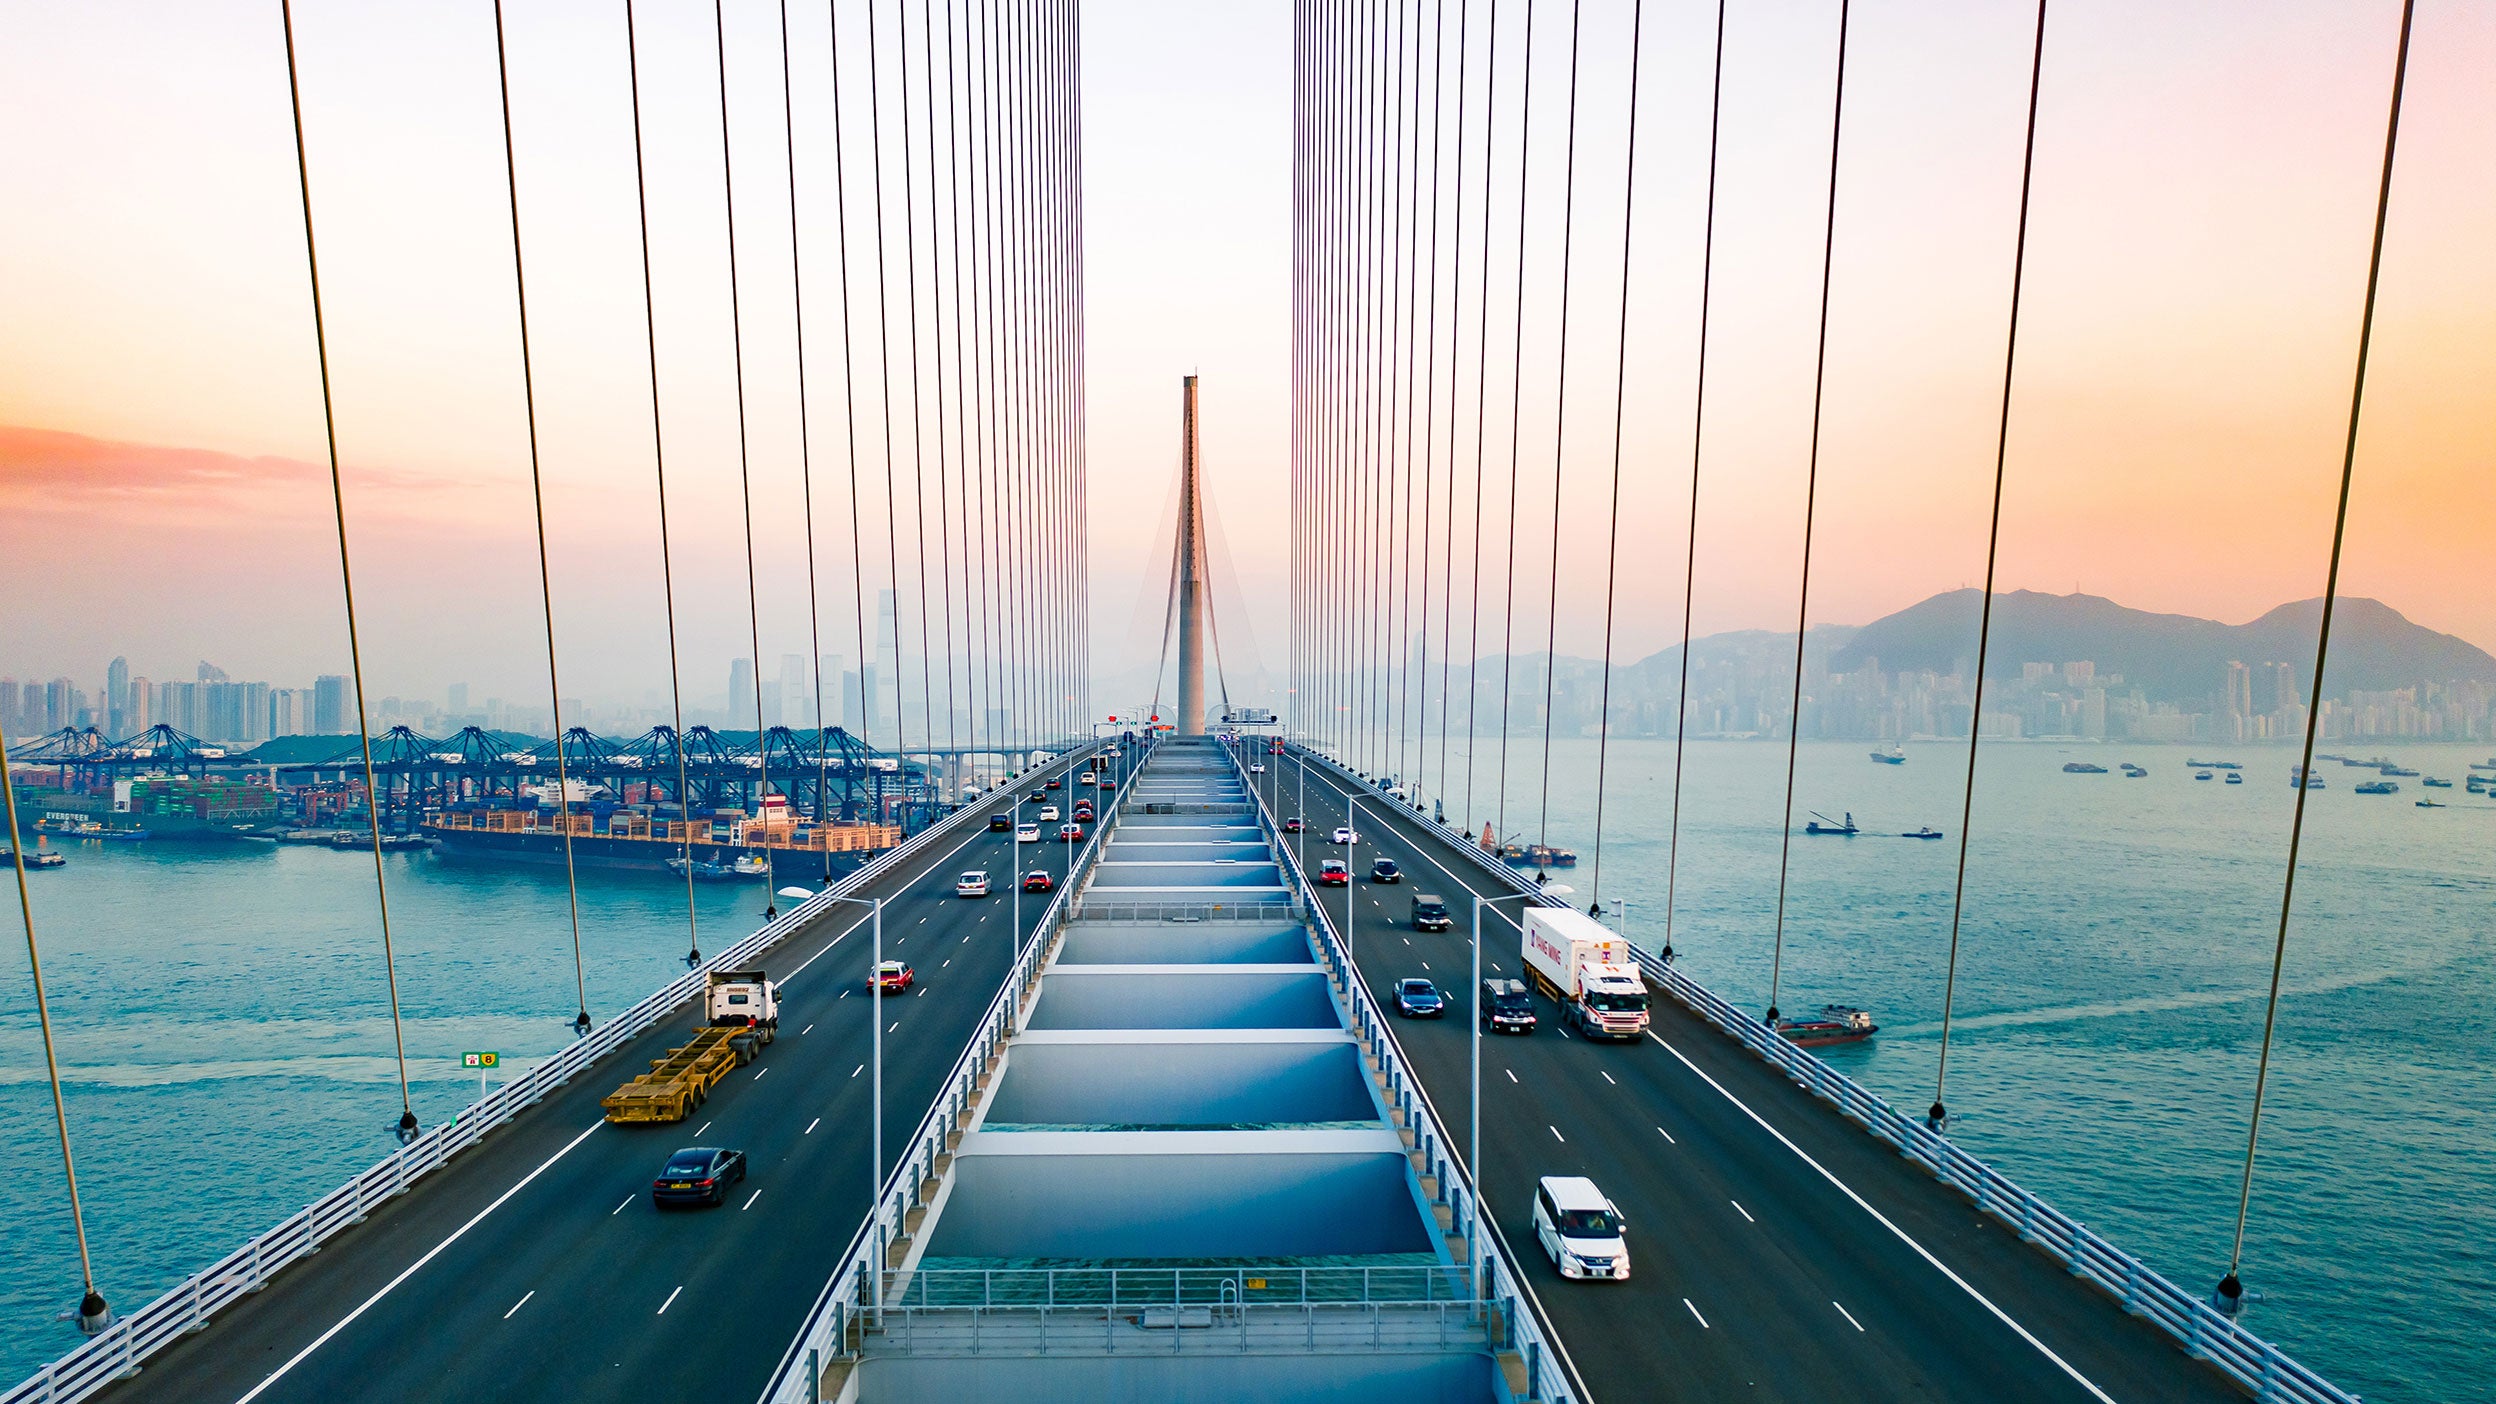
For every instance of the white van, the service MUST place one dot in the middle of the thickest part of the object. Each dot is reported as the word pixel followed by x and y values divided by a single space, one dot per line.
pixel 1579 1229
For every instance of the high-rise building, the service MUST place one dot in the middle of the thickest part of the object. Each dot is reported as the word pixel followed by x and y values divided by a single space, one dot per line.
pixel 829 677
pixel 117 696
pixel 140 713
pixel 290 711
pixel 211 673
pixel 459 698
pixel 329 706
pixel 797 704
pixel 740 694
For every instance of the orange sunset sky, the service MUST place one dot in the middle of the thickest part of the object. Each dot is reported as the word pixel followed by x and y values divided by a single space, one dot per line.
pixel 2204 193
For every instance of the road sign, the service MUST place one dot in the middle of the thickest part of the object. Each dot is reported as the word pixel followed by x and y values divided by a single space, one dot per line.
pixel 480 1060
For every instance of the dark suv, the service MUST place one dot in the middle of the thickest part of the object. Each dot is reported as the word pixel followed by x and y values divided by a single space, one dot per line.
pixel 1430 913
pixel 1506 1007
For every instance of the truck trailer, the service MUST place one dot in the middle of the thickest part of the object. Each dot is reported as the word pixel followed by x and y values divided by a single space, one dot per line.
pixel 1587 967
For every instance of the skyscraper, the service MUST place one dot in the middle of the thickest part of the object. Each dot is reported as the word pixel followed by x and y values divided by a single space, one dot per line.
pixel 740 694
pixel 329 705
pixel 117 697
pixel 797 705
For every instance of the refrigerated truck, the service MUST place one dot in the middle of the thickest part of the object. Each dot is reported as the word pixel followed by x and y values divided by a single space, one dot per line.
pixel 1587 967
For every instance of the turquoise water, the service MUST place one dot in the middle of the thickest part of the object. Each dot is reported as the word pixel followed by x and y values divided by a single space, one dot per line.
pixel 224 1026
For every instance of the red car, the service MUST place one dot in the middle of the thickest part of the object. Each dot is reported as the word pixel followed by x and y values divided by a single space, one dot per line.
pixel 1037 881
pixel 1278 748
pixel 1293 825
pixel 1334 873
pixel 1083 810
pixel 893 977
pixel 1070 833
pixel 1055 785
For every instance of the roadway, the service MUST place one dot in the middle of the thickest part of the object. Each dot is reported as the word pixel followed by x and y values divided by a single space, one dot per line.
pixel 535 1267
pixel 1779 1251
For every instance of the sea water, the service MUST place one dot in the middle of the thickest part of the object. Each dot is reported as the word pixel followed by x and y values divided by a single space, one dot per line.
pixel 227 1054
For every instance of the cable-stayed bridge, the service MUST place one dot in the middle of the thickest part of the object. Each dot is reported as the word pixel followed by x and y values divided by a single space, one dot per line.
pixel 1137 1116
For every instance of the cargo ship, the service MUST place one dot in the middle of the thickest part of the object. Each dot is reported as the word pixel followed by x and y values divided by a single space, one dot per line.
pixel 1835 1023
pixel 2082 768
pixel 635 840
pixel 1890 755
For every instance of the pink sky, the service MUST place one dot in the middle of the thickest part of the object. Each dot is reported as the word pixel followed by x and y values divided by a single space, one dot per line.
pixel 2205 183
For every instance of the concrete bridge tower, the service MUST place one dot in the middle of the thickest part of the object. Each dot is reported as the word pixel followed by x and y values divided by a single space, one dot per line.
pixel 1191 577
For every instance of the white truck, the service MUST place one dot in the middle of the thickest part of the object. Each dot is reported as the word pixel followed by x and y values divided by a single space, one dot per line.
pixel 743 999
pixel 1587 967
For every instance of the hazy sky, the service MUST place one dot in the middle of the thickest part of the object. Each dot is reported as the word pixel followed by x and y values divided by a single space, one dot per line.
pixel 2205 178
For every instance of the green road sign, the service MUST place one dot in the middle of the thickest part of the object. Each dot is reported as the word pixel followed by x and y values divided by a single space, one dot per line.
pixel 480 1060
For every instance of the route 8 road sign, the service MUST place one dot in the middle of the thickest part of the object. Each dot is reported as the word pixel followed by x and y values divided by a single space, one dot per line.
pixel 480 1060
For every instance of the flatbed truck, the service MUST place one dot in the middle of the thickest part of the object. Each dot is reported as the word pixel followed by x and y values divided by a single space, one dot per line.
pixel 742 1009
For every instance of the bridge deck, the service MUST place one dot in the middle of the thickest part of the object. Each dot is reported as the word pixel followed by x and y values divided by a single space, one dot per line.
pixel 1781 1252
pixel 535 1267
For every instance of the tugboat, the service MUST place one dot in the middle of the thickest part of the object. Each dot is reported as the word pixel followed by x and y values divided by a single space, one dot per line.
pixel 1890 755
pixel 2235 779
pixel 1823 824
pixel 2203 775
pixel 2082 768
pixel 1926 832
pixel 1835 1023
pixel 2431 804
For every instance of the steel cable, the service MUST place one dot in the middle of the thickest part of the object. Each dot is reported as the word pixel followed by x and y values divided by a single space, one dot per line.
pixel 1698 427
pixel 849 425
pixel 1811 487
pixel 1481 429
pixel 1516 420
pixel 918 424
pixel 658 460
pixel 2231 1289
pixel 1455 336
pixel 944 464
pixel 884 398
pixel 805 446
pixel 1620 405
pixel 1559 441
pixel 1939 1115
pixel 537 497
pixel 407 1126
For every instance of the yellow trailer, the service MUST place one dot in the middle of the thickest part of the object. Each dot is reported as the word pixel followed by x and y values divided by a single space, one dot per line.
pixel 682 1081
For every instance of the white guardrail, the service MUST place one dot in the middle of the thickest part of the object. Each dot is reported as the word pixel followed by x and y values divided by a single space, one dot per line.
pixel 2200 1328
pixel 848 1298
pixel 1548 1379
pixel 119 1348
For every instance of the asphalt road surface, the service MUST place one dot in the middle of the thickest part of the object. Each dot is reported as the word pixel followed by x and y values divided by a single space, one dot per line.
pixel 1779 1252
pixel 535 1267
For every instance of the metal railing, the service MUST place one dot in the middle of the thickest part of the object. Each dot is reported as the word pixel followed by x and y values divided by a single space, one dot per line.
pixel 121 1347
pixel 847 1301
pixel 1098 910
pixel 1231 1328
pixel 1501 1289
pixel 2194 1323
pixel 1126 1287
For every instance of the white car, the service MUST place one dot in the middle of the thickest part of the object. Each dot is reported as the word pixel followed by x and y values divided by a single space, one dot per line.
pixel 971 884
pixel 1580 1230
pixel 1027 833
pixel 1048 814
pixel 1256 767
pixel 1346 836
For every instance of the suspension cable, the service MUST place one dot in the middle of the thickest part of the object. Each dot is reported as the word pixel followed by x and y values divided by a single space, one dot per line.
pixel 1939 1115
pixel 918 422
pixel 93 1314
pixel 954 197
pixel 1516 419
pixel 1559 440
pixel 745 480
pixel 849 426
pixel 658 461
pixel 805 452
pixel 884 398
pixel 2231 1289
pixel 537 495
pixel 1811 490
pixel 944 462
pixel 1620 402
pixel 1481 427
pixel 1698 426
pixel 346 573
pixel 1455 335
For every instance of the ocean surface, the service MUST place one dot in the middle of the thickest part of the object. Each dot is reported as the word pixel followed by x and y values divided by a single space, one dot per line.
pixel 223 1021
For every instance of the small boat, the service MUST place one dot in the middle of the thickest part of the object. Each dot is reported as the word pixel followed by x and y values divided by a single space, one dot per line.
pixel 1834 1023
pixel 390 843
pixel 42 857
pixel 2082 768
pixel 713 870
pixel 2488 764
pixel 2432 804
pixel 2235 779
pixel 2312 782
pixel 2434 784
pixel 2133 772
pixel 1890 755
pixel 2379 787
pixel 1926 832
pixel 2203 775
pixel 2399 770
pixel 1538 855
pixel 122 835
pixel 1823 824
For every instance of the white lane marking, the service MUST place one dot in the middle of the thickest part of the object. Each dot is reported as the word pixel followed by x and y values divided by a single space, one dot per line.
pixel 1667 1135
pixel 671 1299
pixel 1425 965
pixel 1883 1220
pixel 1850 1316
pixel 895 1028
pixel 1737 1208
pixel 749 1201
pixel 759 1076
pixel 697 1135
pixel 1555 1134
pixel 627 1204
pixel 1512 1077
pixel 1564 1033
pixel 1607 1077
pixel 1694 1311
pixel 857 1070
pixel 801 1033
pixel 844 994
pixel 524 1301
pixel 411 1269
pixel 922 921
pixel 810 1127
pixel 948 961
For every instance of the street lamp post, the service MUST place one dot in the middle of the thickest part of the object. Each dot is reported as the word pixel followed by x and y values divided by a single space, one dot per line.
pixel 1352 825
pixel 1473 1122
pixel 875 1012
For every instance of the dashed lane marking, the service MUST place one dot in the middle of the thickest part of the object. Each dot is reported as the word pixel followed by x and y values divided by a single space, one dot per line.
pixel 698 1134
pixel 801 1033
pixel 1512 1077
pixel 1737 1208
pixel 810 1127
pixel 524 1301
pixel 759 1075
pixel 1694 1312
pixel 857 1070
pixel 1607 1077
pixel 627 1204
pixel 1667 1135
pixel 671 1299
pixel 749 1201
pixel 1555 1135
pixel 1850 1316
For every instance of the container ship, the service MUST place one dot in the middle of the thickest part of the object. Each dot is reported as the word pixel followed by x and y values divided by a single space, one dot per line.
pixel 636 839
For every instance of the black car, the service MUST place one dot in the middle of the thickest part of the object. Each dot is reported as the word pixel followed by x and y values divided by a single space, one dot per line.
pixel 1506 1007
pixel 698 1175
pixel 1000 824
pixel 1385 870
